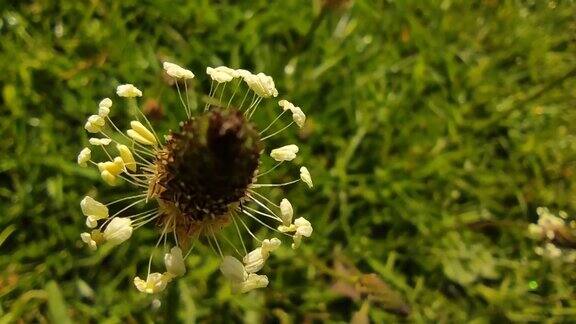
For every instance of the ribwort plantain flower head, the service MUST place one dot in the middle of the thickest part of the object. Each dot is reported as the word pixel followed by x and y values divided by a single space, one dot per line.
pixel 201 182
pixel 556 234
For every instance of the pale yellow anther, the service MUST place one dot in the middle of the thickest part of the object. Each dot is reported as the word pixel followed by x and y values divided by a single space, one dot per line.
pixel 286 105
pixel 92 239
pixel 84 156
pixel 155 282
pixel 113 167
pixel 141 134
pixel 177 71
pixel 286 212
pixel 94 124
pixel 128 90
pixel 233 269
pixel 118 164
pixel 254 281
pixel 96 120
pixel 104 107
pixel 305 176
pixel 106 102
pixel 270 245
pixel 297 114
pixel 221 74
pixel 99 141
pixel 127 157
pixel 243 73
pixel 303 228
pixel 287 229
pixel 93 210
pixel 104 165
pixel 254 261
pixel 174 262
pixel 284 153
pixel 108 177
pixel 261 84
pixel 118 230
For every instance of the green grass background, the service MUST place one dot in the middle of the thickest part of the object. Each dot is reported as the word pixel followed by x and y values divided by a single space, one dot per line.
pixel 435 129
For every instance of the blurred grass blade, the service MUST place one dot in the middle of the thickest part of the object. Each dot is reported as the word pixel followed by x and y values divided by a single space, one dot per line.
pixel 361 316
pixel 188 309
pixel 6 232
pixel 56 304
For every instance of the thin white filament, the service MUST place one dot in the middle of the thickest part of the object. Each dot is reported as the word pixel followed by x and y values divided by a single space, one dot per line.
pixel 277 132
pixel 264 224
pixel 274 217
pixel 262 205
pixel 125 198
pixel 234 93
pixel 239 234
pixel 263 197
pixel 243 99
pixel 272 123
pixel 257 185
pixel 182 100
pixel 272 169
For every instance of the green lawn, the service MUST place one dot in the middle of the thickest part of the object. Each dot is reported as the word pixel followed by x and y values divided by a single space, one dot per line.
pixel 435 129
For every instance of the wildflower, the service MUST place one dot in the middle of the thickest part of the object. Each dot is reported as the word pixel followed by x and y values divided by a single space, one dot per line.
pixel 284 153
pixel 548 224
pixel 555 233
pixel 128 91
pixel 84 156
pixel 305 176
pixel 177 71
pixel 199 183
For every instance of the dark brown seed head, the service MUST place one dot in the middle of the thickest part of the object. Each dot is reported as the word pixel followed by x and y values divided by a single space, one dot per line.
pixel 205 169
